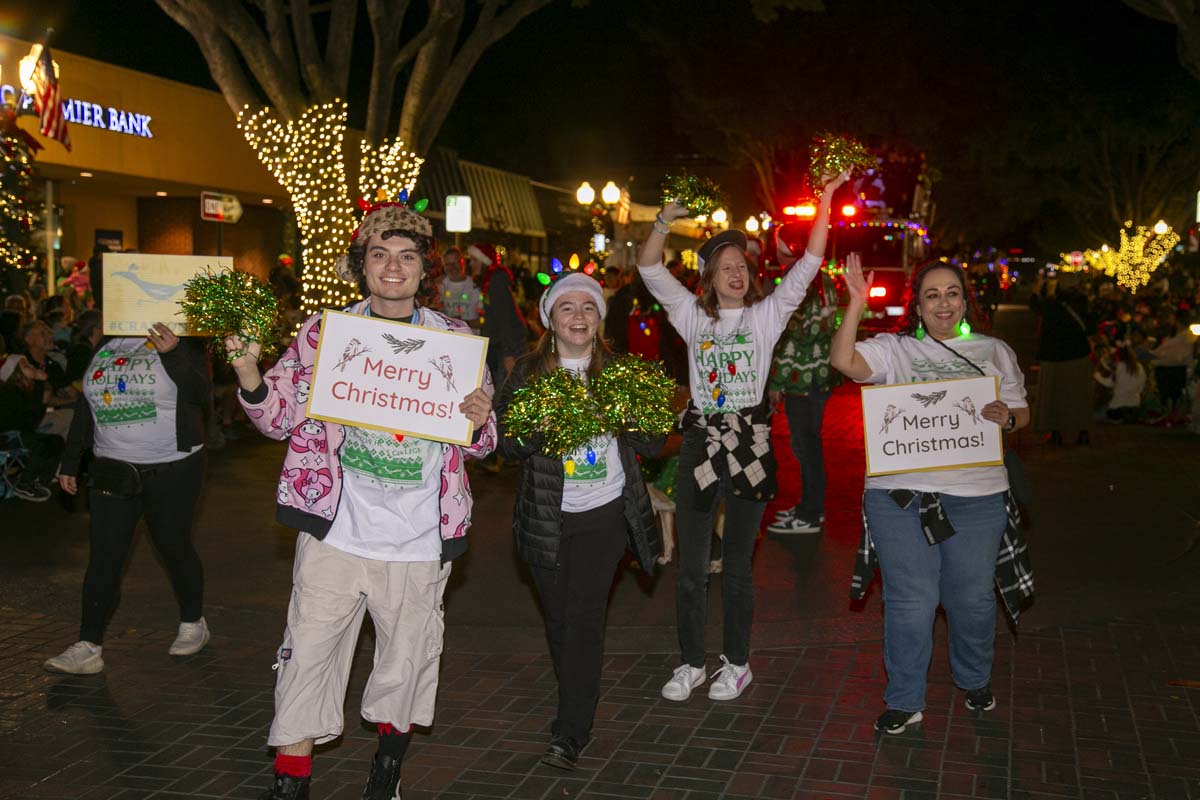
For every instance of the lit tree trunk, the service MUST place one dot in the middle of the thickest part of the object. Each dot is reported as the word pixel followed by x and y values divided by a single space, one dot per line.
pixel 269 48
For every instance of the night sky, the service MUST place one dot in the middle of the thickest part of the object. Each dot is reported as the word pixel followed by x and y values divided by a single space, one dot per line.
pixel 610 90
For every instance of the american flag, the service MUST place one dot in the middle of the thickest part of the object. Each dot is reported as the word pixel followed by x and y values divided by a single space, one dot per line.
pixel 47 102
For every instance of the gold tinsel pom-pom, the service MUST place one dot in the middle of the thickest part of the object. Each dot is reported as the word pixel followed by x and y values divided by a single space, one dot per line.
pixel 697 195
pixel 629 395
pixel 232 303
pixel 635 395
pixel 558 406
pixel 832 155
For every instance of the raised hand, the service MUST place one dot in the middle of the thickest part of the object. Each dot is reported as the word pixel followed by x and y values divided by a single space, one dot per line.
pixel 858 287
pixel 250 352
pixel 833 183
pixel 673 211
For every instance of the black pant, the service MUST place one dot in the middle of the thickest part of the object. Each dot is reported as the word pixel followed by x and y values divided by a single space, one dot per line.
pixel 693 529
pixel 575 606
pixel 45 450
pixel 805 412
pixel 168 500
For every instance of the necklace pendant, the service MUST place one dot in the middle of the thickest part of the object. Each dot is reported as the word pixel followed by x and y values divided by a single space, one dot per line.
pixel 721 400
pixel 706 344
pixel 717 392
pixel 732 368
pixel 121 386
pixel 712 376
pixel 591 457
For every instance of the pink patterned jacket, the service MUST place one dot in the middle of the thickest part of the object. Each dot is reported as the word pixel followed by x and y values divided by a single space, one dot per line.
pixel 310 483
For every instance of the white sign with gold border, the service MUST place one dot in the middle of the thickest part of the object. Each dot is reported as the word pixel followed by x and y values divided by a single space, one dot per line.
pixel 395 377
pixel 932 425
pixel 141 289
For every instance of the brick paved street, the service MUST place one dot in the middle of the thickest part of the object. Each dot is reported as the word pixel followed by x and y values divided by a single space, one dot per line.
pixel 1099 694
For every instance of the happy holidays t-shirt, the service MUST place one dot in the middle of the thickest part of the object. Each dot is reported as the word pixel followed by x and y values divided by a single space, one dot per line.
pixel 905 359
pixel 592 474
pixel 729 359
pixel 133 403
pixel 390 508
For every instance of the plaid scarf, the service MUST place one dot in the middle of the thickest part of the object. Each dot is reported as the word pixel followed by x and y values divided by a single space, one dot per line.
pixel 737 445
pixel 1014 573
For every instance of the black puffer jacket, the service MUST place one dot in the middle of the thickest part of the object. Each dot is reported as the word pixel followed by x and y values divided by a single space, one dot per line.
pixel 537 517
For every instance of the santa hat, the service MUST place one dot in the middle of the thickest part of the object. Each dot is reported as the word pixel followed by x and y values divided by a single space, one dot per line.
pixel 571 282
pixel 790 241
pixel 483 252
pixel 380 218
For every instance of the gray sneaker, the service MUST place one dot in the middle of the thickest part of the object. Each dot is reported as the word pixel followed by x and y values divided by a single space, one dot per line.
pixel 81 658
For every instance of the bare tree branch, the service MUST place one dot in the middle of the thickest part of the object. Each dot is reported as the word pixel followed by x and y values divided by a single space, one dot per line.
pixel 218 54
pixel 339 44
pixel 281 39
pixel 430 64
pixel 386 21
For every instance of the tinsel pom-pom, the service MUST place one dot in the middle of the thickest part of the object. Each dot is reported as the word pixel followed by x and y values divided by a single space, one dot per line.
pixel 232 303
pixel 832 155
pixel 697 195
pixel 558 406
pixel 635 395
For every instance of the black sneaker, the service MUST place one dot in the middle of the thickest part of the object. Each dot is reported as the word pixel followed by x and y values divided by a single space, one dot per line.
pixel 562 753
pixel 895 721
pixel 384 783
pixel 287 787
pixel 981 699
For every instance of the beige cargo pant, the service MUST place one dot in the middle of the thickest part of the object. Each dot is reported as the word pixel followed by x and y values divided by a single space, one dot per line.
pixel 331 590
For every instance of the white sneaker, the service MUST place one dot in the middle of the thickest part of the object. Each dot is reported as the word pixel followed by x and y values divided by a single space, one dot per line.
pixel 81 658
pixel 731 681
pixel 686 678
pixel 191 639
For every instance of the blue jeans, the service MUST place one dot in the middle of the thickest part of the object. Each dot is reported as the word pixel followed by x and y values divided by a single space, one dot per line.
pixel 804 415
pixel 958 572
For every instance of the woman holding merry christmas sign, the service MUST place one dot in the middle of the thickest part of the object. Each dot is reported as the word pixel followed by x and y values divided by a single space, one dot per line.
pixel 945 535
pixel 577 418
pixel 730 331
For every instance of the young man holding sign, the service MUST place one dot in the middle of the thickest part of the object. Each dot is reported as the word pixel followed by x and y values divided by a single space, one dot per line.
pixel 940 535
pixel 381 514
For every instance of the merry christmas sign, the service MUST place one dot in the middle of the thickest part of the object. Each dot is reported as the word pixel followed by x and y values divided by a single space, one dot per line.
pixel 395 377
pixel 141 289
pixel 913 427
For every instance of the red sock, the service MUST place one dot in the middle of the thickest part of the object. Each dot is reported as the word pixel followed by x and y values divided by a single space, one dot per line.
pixel 388 729
pixel 295 766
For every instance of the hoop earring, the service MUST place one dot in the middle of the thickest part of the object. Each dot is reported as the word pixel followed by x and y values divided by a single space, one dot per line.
pixel 553 346
pixel 919 334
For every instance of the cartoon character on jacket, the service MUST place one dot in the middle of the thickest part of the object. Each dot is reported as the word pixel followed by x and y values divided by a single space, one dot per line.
pixel 311 484
pixel 308 437
pixel 281 492
pixel 302 383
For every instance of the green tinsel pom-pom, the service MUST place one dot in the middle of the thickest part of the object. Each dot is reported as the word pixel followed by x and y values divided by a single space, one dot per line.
pixel 558 406
pixel 832 155
pixel 697 195
pixel 635 395
pixel 232 303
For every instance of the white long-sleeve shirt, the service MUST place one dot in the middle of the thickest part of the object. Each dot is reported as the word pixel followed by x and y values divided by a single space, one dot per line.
pixel 1127 388
pixel 730 357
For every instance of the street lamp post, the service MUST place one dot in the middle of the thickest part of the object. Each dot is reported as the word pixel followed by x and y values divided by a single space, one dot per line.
pixel 610 195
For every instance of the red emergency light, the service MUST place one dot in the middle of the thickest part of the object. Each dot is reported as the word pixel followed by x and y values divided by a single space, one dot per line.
pixel 849 210
pixel 878 291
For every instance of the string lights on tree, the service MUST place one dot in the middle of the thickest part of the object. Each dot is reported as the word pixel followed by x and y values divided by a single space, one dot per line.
pixel 307 156
pixel 1140 252
pixel 16 180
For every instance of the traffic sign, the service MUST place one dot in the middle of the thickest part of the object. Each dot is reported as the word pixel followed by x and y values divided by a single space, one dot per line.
pixel 216 207
pixel 458 213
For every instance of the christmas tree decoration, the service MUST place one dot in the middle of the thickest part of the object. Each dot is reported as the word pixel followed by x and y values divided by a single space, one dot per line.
pixel 832 155
pixel 232 303
pixel 17 211
pixel 307 156
pixel 700 196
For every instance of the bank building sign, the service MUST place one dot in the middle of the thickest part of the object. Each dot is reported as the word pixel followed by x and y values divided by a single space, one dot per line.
pixel 81 112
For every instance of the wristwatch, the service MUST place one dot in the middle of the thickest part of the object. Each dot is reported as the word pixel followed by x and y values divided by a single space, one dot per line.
pixel 1011 425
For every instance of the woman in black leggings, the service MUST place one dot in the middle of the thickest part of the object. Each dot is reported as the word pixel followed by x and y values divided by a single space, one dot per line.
pixel 142 415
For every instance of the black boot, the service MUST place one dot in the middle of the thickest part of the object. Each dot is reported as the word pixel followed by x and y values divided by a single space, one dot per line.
pixel 287 788
pixel 563 753
pixel 384 783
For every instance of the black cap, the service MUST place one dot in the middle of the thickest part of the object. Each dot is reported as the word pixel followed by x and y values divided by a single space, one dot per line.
pixel 722 239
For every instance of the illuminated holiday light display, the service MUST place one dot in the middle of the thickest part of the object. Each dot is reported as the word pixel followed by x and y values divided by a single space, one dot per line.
pixel 307 156
pixel 1139 253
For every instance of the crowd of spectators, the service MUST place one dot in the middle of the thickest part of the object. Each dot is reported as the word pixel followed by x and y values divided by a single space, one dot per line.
pixel 1140 349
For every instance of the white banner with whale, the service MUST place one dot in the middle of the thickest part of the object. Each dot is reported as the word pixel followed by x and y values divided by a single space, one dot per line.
pixel 932 425
pixel 140 289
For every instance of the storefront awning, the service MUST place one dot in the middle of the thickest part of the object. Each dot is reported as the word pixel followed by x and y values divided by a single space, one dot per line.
pixel 500 201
